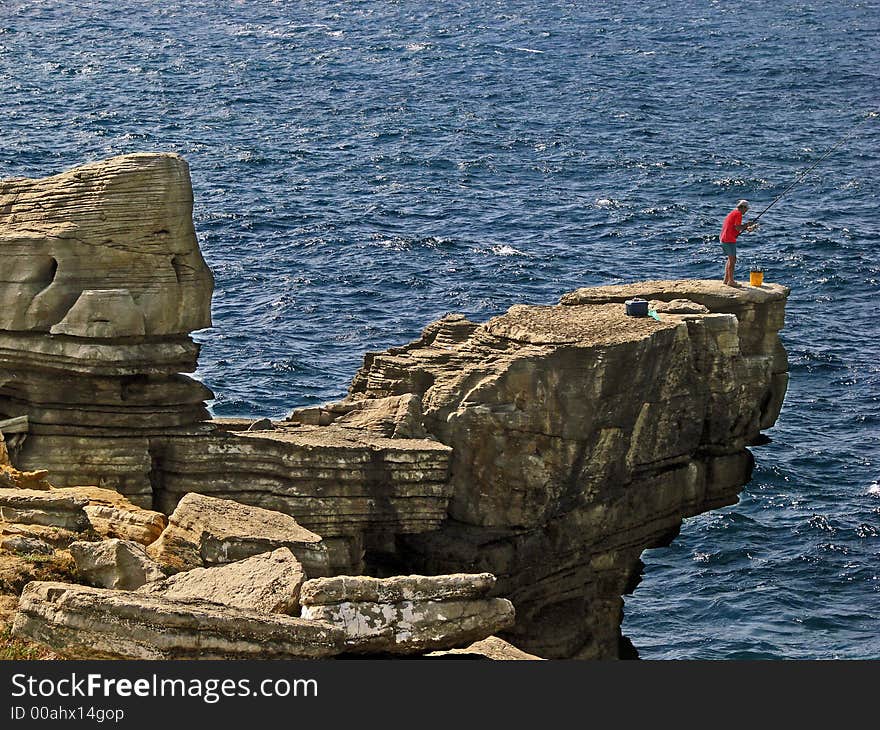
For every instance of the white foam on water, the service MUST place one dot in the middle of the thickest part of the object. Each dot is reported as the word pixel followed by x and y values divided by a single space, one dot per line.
pixel 528 50
pixel 505 250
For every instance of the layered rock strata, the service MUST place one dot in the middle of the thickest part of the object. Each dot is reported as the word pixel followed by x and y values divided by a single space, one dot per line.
pixel 102 282
pixel 580 437
pixel 43 509
pixel 114 563
pixel 352 487
pixel 79 622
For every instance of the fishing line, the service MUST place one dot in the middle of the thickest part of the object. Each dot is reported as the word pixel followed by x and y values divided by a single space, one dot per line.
pixel 871 115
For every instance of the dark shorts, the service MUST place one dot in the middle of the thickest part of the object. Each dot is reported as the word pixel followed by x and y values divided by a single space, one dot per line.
pixel 729 249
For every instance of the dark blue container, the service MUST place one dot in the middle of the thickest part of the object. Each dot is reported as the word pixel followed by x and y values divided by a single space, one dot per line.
pixel 637 307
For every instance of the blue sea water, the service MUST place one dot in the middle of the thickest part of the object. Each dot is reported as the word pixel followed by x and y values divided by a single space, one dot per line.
pixel 361 168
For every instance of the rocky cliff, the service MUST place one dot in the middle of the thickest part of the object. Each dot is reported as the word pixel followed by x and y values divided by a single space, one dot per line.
pixel 580 437
pixel 548 446
pixel 101 283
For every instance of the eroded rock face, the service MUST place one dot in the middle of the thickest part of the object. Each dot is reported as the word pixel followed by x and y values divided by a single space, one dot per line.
pixel 407 614
pixel 79 622
pixel 205 531
pixel 351 486
pixel 265 583
pixel 123 224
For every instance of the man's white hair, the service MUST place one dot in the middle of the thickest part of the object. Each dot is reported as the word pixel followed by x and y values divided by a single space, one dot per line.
pixel 742 204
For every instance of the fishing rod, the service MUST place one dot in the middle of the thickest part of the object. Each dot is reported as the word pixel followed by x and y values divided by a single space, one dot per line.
pixel 871 115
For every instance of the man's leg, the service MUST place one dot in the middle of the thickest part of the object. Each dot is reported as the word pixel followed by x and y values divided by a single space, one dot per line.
pixel 728 271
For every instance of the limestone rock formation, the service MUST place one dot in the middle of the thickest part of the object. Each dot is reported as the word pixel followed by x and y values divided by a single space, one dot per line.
pixel 61 515
pixel 79 622
pixel 581 437
pixel 205 531
pixel 112 515
pixel 114 563
pixel 353 487
pixel 407 614
pixel 548 446
pixel 101 283
pixel 105 282
pixel 43 508
pixel 265 583
pixel 119 224
pixel 490 648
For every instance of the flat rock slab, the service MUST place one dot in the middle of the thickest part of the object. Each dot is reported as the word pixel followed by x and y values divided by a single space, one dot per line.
pixel 114 563
pixel 265 583
pixel 408 614
pixel 204 531
pixel 43 507
pixel 456 586
pixel 79 622
pixel 713 294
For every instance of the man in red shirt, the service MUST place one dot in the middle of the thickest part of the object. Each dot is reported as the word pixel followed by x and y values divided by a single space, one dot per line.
pixel 733 226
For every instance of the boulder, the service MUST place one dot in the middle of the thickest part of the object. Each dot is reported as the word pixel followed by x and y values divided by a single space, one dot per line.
pixel 112 515
pixel 407 614
pixel 261 424
pixel 79 622
pixel 205 531
pixel 265 583
pixel 490 648
pixel 114 563
pixel 46 508
pixel 24 545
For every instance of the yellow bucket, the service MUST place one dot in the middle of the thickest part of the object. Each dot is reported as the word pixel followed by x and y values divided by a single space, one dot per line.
pixel 756 278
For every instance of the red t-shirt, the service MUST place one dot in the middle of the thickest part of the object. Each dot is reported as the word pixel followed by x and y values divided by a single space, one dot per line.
pixel 728 231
